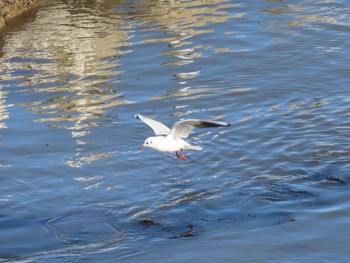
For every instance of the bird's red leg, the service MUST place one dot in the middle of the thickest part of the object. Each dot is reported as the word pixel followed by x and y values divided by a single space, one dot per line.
pixel 182 155
pixel 178 156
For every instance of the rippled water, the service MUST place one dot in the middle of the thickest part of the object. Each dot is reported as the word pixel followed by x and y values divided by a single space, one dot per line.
pixel 273 187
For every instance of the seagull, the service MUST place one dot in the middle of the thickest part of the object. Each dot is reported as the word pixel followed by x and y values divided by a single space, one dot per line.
pixel 171 140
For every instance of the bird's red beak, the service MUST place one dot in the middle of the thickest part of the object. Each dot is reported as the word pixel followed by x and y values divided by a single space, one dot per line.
pixel 141 147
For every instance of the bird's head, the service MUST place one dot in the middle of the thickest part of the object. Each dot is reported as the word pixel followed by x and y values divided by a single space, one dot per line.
pixel 150 142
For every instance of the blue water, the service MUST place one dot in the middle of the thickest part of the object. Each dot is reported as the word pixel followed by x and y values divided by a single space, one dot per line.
pixel 273 187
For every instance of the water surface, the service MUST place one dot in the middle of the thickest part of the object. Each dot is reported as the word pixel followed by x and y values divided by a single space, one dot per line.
pixel 273 187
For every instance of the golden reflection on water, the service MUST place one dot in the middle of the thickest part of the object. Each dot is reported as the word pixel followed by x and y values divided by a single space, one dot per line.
pixel 3 111
pixel 182 20
pixel 302 15
pixel 72 51
pixel 71 41
pixel 67 59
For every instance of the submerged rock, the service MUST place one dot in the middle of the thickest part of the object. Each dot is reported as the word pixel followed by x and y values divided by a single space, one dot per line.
pixel 10 9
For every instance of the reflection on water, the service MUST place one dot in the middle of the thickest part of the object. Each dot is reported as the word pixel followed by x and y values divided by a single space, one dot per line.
pixel 75 57
pixel 73 61
pixel 74 64
pixel 3 112
pixel 66 67
pixel 73 76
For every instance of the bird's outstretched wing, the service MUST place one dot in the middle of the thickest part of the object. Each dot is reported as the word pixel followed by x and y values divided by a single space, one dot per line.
pixel 157 127
pixel 183 128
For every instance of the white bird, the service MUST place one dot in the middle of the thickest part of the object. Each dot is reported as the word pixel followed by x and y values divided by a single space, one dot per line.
pixel 171 140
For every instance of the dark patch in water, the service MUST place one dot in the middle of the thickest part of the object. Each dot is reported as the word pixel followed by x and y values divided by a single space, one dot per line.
pixel 333 173
pixel 282 192
pixel 336 179
pixel 158 229
pixel 147 222
pixel 189 233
